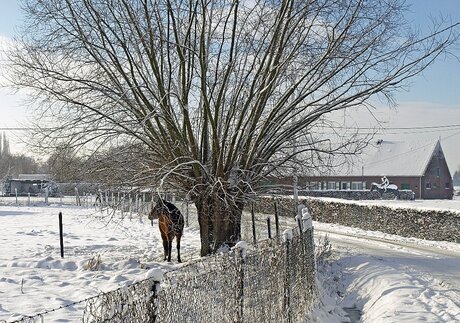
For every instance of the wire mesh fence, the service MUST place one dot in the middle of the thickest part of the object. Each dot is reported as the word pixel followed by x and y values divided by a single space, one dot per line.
pixel 270 282
pixel 135 303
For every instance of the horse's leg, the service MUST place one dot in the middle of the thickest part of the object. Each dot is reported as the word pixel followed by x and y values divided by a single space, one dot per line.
pixel 178 236
pixel 165 248
pixel 169 249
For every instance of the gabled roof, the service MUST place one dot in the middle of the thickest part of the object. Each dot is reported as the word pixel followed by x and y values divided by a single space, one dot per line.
pixel 396 158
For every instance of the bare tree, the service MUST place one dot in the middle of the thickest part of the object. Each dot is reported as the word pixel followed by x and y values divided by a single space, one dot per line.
pixel 217 94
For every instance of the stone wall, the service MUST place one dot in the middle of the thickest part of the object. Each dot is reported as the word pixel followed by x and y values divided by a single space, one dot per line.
pixel 406 222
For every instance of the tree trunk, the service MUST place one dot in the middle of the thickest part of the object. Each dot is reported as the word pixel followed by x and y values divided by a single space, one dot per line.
pixel 220 221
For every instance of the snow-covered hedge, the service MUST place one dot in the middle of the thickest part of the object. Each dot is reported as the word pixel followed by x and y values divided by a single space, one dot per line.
pixel 357 195
pixel 441 225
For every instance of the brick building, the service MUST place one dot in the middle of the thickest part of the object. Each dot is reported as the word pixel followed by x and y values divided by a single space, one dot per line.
pixel 421 168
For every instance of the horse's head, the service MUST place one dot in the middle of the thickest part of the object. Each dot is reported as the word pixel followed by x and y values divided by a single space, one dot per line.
pixel 157 206
pixel 155 211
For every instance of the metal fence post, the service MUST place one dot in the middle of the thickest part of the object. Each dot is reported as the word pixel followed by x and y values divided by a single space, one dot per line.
pixel 187 212
pixel 253 218
pixel 277 225
pixel 123 205
pixel 61 235
pixel 287 282
pixel 269 228
pixel 240 286
pixel 153 309
pixel 77 197
pixel 130 204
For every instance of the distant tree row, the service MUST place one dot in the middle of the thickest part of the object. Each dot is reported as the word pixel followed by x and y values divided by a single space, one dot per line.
pixel 457 177
pixel 12 165
pixel 69 165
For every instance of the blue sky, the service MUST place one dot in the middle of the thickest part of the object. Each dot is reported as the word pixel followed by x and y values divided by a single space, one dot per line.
pixel 433 98
pixel 439 84
pixel 10 16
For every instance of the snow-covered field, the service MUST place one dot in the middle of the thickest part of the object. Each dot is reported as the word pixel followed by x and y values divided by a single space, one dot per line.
pixel 34 278
pixel 388 278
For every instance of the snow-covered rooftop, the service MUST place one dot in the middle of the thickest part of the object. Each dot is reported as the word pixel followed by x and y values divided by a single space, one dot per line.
pixel 396 158
pixel 33 177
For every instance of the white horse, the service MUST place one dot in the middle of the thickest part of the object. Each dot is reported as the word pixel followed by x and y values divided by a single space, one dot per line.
pixel 391 189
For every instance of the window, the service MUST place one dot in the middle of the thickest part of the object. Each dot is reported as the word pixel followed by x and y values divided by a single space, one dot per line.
pixel 447 186
pixel 405 186
pixel 428 186
pixel 312 186
pixel 438 172
pixel 331 185
pixel 344 185
pixel 356 186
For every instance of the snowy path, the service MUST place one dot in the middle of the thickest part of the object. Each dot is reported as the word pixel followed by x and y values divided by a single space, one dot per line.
pixel 391 278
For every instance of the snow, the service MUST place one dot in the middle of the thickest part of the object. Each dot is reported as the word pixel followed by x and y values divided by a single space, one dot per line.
pixel 287 234
pixel 388 278
pixel 100 256
pixel 396 158
pixel 156 274
pixel 385 277
pixel 440 205
pixel 242 246
pixel 306 219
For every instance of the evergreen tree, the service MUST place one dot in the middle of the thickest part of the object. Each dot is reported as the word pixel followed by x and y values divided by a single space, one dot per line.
pixel 457 177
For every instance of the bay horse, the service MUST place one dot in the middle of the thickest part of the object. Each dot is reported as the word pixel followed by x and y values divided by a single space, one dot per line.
pixel 391 189
pixel 171 224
